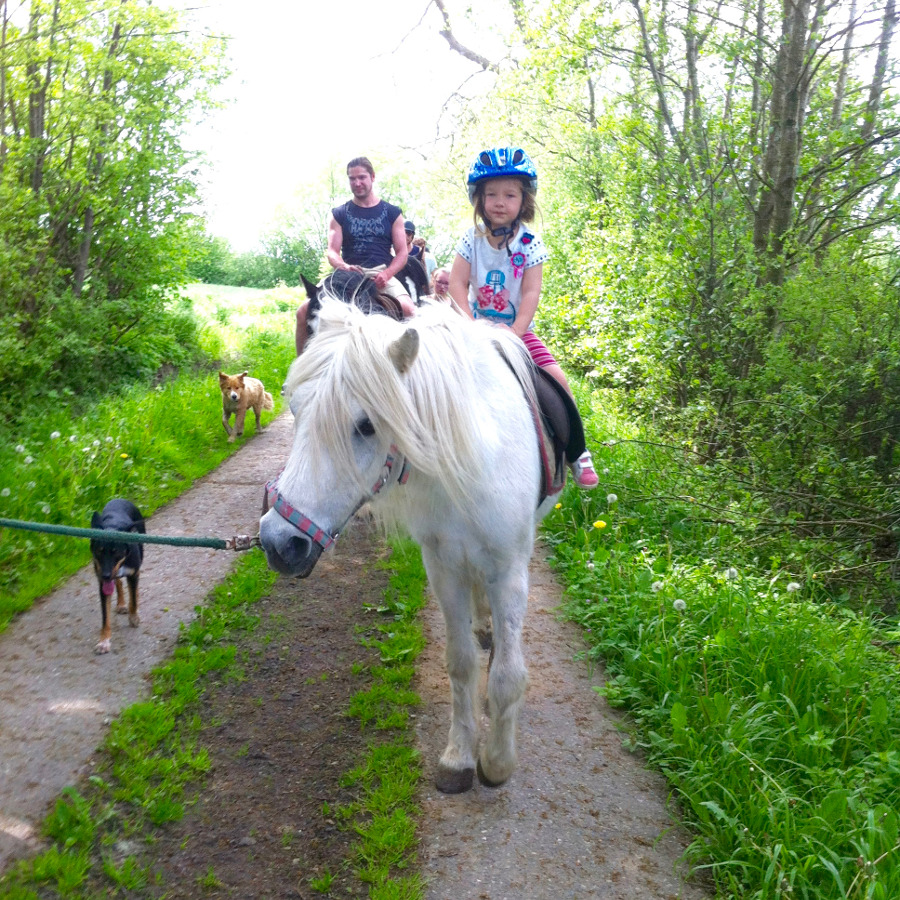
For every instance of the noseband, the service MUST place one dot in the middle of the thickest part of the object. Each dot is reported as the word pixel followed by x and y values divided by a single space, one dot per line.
pixel 306 525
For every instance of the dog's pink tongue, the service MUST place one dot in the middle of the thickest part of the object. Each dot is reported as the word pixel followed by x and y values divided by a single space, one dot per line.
pixel 108 587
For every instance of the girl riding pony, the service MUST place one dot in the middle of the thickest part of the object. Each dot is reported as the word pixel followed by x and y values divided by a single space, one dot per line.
pixel 498 268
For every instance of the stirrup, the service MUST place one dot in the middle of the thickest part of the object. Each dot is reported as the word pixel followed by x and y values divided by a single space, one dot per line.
pixel 583 471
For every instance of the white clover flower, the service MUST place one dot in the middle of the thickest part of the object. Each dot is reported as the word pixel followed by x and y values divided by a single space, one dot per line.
pixel 606 471
pixel 590 565
pixel 20 448
pixel 4 492
pixel 55 435
pixel 85 449
pixel 45 509
pixel 73 438
pixel 731 574
pixel 28 460
pixel 657 586
pixel 96 443
pixel 109 439
pixel 611 498
pixel 793 586
pixel 679 605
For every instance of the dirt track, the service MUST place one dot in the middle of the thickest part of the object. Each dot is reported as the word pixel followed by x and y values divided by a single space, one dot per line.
pixel 580 817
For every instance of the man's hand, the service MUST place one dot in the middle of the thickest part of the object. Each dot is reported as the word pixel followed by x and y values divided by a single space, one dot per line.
pixel 381 279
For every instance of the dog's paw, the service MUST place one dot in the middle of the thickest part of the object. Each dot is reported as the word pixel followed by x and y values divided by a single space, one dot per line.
pixel 134 620
pixel 121 610
pixel 103 647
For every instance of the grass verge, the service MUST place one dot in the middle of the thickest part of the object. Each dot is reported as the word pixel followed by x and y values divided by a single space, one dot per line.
pixel 772 709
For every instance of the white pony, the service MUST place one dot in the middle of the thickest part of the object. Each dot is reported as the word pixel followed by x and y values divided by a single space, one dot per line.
pixel 430 421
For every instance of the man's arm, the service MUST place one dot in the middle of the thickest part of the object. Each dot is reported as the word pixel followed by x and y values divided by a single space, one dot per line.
pixel 335 242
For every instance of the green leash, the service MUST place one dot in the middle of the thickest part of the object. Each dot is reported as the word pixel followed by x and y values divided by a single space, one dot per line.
pixel 238 542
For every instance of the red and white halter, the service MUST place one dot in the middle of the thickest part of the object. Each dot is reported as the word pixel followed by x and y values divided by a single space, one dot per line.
pixel 306 525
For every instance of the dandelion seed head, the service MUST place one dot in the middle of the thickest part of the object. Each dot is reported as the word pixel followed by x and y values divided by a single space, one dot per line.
pixel 590 565
pixel 731 574
pixel 73 438
pixel 28 460
pixel 793 586
pixel 679 605
pixel 20 448
pixel 611 498
pixel 109 439
pixel 55 435
pixel 96 443
pixel 657 586
pixel 4 492
pixel 45 509
pixel 606 471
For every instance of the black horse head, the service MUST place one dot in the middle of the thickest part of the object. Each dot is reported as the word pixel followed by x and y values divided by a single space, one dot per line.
pixel 350 287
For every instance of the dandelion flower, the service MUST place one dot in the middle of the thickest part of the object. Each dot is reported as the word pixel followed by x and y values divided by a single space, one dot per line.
pixel 123 456
pixel 793 586
pixel 45 509
pixel 558 506
pixel 611 498
pixel 599 524
pixel 679 605
pixel 731 574
pixel 55 435
pixel 4 492
pixel 656 587
pixel 20 448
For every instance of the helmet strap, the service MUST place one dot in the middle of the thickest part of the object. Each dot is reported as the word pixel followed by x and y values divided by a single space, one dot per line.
pixel 507 231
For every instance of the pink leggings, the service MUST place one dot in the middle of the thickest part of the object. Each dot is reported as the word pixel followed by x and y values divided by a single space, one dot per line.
pixel 539 353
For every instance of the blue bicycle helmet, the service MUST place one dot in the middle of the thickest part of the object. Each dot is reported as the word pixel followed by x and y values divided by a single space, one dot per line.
pixel 502 162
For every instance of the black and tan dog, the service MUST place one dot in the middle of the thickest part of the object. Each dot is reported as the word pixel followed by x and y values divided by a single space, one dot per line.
pixel 115 560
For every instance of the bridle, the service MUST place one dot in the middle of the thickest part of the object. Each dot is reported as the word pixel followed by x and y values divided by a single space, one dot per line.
pixel 306 525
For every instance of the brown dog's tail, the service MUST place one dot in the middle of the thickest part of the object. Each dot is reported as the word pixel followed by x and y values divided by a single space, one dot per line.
pixel 268 403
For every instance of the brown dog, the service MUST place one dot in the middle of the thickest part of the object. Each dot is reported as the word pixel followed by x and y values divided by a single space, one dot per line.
pixel 240 393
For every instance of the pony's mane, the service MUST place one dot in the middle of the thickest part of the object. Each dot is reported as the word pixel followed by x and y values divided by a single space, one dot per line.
pixel 428 410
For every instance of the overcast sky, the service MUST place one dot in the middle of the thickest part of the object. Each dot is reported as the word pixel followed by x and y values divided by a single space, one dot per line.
pixel 315 87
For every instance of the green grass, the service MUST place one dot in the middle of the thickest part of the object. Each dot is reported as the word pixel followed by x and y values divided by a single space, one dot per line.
pixel 149 444
pixel 771 709
pixel 385 817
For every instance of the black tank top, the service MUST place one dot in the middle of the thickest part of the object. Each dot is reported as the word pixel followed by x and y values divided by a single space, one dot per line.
pixel 367 233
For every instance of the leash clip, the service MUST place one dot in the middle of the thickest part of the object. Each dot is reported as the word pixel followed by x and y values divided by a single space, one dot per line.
pixel 242 542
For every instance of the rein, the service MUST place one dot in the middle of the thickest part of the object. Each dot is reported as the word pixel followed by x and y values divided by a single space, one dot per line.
pixel 306 525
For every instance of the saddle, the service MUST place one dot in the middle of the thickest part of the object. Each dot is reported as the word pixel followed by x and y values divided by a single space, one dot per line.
pixel 559 431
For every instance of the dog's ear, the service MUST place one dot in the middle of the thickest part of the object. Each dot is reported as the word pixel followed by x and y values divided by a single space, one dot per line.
pixel 222 378
pixel 243 375
pixel 96 521
pixel 312 291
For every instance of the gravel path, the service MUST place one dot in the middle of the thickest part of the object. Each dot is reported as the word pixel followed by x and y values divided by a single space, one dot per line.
pixel 56 696
pixel 580 817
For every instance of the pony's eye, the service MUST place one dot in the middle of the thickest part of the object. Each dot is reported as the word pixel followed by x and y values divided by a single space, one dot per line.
pixel 365 428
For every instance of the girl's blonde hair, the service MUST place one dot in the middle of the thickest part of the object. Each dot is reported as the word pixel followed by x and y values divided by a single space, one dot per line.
pixel 526 213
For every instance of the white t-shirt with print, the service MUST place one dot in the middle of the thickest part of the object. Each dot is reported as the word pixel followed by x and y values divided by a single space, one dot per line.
pixel 495 279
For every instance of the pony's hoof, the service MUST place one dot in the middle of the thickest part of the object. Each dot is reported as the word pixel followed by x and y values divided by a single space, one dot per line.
pixel 488 782
pixel 454 781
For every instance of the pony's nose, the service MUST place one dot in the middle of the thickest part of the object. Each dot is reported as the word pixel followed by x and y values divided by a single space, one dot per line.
pixel 288 551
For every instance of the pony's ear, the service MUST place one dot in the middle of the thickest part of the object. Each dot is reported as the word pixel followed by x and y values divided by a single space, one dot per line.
pixel 404 350
pixel 312 290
